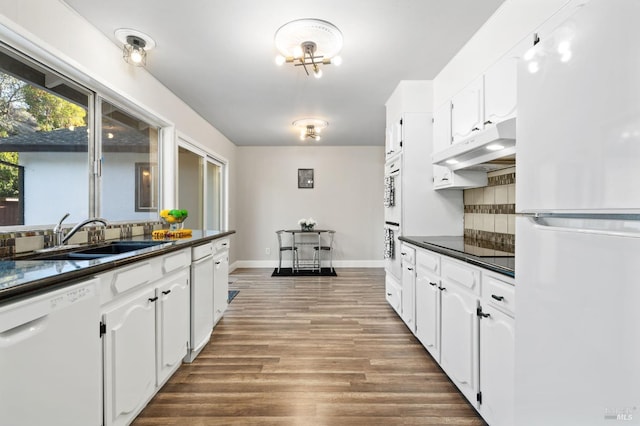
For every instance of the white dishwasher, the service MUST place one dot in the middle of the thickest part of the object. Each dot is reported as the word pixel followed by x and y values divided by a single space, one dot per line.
pixel 50 358
pixel 201 295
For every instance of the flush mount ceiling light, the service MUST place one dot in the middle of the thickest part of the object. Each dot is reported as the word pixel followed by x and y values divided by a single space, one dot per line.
pixel 309 43
pixel 135 45
pixel 310 128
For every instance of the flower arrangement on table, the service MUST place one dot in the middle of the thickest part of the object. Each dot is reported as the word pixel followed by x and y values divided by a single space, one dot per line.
pixel 307 224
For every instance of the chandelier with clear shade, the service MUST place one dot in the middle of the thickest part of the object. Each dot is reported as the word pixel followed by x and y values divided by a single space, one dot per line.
pixel 310 128
pixel 308 43
pixel 135 46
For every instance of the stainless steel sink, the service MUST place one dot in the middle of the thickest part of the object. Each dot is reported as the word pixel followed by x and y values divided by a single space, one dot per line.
pixel 110 249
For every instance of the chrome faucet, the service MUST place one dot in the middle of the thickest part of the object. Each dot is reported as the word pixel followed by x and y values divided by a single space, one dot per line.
pixel 58 233
pixel 80 225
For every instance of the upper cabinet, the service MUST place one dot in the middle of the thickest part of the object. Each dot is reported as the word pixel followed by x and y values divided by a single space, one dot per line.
pixel 489 99
pixel 467 111
pixel 500 94
pixel 393 139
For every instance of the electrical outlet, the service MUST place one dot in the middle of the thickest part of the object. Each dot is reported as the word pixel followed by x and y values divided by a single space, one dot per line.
pixel 267 250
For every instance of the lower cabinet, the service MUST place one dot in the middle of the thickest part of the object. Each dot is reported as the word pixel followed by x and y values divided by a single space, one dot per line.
pixel 145 334
pixel 220 284
pixel 497 347
pixel 408 287
pixel 428 310
pixel 464 317
pixel 459 339
pixel 129 357
pixel 172 323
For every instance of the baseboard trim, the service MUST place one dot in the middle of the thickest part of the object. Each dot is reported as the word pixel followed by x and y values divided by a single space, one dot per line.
pixel 336 264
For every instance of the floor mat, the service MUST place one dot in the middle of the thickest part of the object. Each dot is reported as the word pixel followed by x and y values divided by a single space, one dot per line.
pixel 232 294
pixel 288 272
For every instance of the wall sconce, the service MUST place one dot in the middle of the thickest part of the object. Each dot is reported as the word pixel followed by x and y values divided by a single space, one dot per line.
pixel 308 43
pixel 135 46
pixel 310 128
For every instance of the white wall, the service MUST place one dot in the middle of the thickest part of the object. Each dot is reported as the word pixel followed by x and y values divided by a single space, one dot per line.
pixel 347 197
pixel 54 34
pixel 513 22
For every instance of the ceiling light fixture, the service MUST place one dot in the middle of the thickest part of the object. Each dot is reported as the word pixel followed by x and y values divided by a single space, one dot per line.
pixel 308 43
pixel 135 46
pixel 310 128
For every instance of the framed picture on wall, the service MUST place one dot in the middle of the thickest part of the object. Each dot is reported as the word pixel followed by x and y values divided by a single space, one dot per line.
pixel 305 178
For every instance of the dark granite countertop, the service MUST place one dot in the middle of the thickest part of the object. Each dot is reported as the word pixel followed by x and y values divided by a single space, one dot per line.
pixel 20 277
pixel 468 251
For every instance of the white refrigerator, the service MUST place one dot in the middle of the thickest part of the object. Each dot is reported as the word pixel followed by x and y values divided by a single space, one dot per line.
pixel 577 357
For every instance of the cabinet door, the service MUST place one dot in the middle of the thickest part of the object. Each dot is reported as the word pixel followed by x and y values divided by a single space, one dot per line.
pixel 459 339
pixel 500 89
pixel 129 357
pixel 497 347
pixel 467 115
pixel 220 285
pixel 428 312
pixel 173 323
pixel 408 295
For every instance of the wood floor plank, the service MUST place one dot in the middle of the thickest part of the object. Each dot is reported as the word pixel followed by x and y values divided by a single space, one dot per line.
pixel 310 351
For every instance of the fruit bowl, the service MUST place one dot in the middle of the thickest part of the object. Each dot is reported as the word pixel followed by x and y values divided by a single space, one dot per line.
pixel 174 218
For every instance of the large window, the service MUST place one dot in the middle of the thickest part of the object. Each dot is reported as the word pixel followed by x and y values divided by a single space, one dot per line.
pixel 129 178
pixel 44 144
pixel 52 160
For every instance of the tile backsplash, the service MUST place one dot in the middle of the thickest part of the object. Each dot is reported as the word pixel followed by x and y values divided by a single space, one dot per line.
pixel 489 212
pixel 18 242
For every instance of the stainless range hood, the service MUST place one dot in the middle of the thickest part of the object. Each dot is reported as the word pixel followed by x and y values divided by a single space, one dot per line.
pixel 488 149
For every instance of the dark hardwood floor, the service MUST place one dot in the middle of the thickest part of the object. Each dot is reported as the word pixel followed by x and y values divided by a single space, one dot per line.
pixel 310 351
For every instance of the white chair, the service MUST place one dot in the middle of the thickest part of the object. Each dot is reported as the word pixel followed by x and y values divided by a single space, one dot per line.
pixel 317 250
pixel 294 251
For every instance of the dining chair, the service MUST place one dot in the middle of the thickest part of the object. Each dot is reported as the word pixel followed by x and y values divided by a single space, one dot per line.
pixel 282 248
pixel 317 250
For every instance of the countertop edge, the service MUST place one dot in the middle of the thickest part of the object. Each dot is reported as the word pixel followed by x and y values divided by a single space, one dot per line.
pixel 474 260
pixel 37 286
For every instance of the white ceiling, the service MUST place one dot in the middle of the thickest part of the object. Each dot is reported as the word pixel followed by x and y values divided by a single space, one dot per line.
pixel 218 56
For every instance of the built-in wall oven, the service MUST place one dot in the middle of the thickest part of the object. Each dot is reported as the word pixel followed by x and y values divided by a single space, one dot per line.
pixel 392 216
pixel 392 249
pixel 392 192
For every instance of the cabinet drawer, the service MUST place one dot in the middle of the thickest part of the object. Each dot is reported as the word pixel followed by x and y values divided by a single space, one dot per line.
pixel 461 274
pixel 427 262
pixel 408 254
pixel 174 261
pixel 500 294
pixel 201 251
pixel 393 293
pixel 221 245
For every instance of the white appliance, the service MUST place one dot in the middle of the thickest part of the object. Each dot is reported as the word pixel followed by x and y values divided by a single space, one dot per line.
pixel 577 357
pixel 393 190
pixel 50 359
pixel 202 268
pixel 392 259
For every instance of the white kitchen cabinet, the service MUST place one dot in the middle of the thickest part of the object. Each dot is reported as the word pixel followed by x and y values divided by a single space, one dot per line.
pixel 459 345
pixel 497 354
pixel 145 322
pixel 220 279
pixel 428 301
pixel 443 177
pixel 393 293
pixel 393 139
pixel 172 323
pixel 408 286
pixel 129 357
pixel 467 111
pixel 500 90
